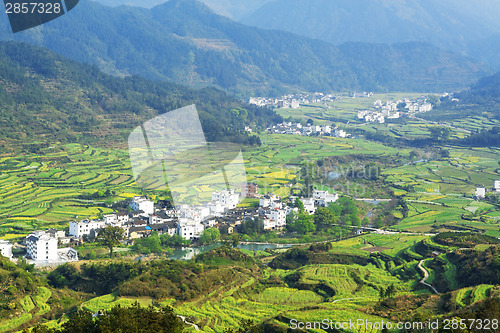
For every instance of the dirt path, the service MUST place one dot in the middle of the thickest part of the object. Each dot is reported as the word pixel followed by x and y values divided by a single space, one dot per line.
pixel 426 276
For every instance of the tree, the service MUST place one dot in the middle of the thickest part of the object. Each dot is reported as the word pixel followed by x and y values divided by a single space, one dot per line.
pixel 210 236
pixel 120 319
pixel 298 204
pixel 110 237
pixel 323 218
pixel 235 240
pixel 303 224
pixel 434 100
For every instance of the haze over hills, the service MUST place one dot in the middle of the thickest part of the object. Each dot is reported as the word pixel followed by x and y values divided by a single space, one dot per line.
pixel 185 42
pixel 235 9
pixel 448 24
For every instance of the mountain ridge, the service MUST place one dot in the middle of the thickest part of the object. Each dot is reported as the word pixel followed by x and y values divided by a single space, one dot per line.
pixel 47 98
pixel 183 41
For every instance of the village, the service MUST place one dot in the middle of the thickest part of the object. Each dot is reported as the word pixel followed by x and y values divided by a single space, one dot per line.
pixel 145 217
pixel 294 101
pixel 395 109
pixel 307 130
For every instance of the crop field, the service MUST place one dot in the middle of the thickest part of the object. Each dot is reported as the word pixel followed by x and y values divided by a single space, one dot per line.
pixel 107 302
pixel 44 190
pixel 467 296
pixel 441 192
pixel 29 305
pixel 48 189
pixel 341 279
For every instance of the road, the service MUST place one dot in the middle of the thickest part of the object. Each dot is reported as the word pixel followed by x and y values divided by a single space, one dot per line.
pixel 426 276
pixel 188 323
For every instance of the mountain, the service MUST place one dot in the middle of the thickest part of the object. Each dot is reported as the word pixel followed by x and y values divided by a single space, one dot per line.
pixel 449 24
pixel 481 100
pixel 45 98
pixel 235 9
pixel 185 42
pixel 381 21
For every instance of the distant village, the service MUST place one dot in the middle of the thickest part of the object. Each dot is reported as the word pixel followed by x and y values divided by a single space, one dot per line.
pixel 481 191
pixel 145 217
pixel 307 130
pixel 294 101
pixel 395 109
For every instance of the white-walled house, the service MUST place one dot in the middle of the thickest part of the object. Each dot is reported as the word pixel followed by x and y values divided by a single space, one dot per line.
pixel 323 198
pixel 215 207
pixel 496 185
pixel 110 219
pixel 277 217
pixel 41 246
pixel 85 227
pixel 6 248
pixel 189 229
pixel 480 192
pixel 309 205
pixel 228 198
pixel 144 204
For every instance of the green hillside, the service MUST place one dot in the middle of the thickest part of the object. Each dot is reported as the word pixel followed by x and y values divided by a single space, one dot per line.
pixel 185 42
pixel 46 98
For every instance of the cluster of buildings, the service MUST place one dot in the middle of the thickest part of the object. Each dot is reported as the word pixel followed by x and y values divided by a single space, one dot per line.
pixel 480 192
pixel 273 212
pixel 293 101
pixel 307 130
pixel 394 109
pixel 146 217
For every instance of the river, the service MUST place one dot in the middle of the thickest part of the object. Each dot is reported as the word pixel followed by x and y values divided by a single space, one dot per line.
pixel 187 253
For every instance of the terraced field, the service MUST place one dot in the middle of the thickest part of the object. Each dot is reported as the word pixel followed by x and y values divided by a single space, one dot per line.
pixel 44 190
pixel 32 307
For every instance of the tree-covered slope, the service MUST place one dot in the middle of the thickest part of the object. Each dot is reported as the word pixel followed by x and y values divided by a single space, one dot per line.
pixel 185 42
pixel 44 97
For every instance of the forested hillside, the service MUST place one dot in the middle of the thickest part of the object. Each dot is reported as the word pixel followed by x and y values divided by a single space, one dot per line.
pixel 46 98
pixel 185 42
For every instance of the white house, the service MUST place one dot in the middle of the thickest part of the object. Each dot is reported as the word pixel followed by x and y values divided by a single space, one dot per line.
pixel 278 216
pixel 85 227
pixel 216 208
pixel 6 248
pixel 323 198
pixel 189 229
pixel 110 219
pixel 41 246
pixel 270 201
pixel 480 192
pixel 144 204
pixel 309 205
pixel 161 217
pixel 228 198
pixel 496 185
pixel 268 224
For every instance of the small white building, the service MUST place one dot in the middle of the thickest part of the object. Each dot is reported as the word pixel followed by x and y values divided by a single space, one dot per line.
pixel 496 185
pixel 278 216
pixel 41 246
pixel 144 204
pixel 309 205
pixel 228 198
pixel 85 227
pixel 323 198
pixel 111 219
pixel 5 248
pixel 480 192
pixel 215 208
pixel 189 229
pixel 269 201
